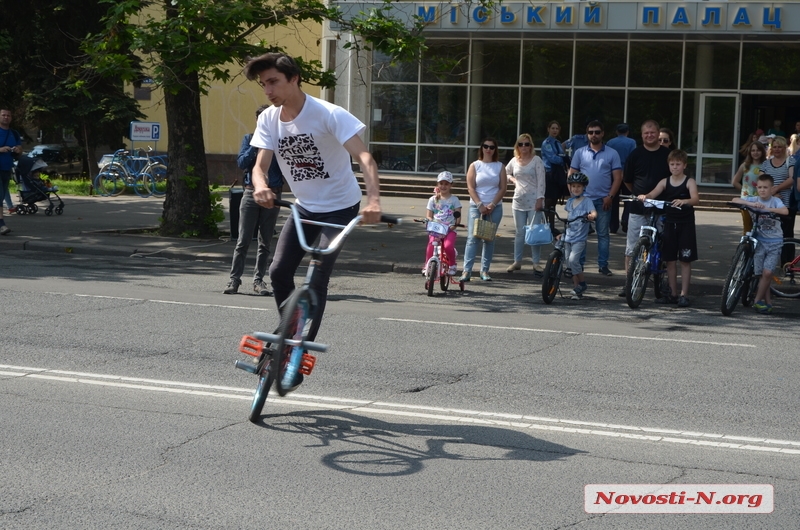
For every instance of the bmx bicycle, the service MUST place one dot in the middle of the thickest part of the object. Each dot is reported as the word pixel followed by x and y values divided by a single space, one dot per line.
pixel 554 269
pixel 282 357
pixel 437 268
pixel 742 280
pixel 645 257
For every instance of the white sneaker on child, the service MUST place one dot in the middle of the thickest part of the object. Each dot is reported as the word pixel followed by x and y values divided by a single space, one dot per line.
pixel 452 271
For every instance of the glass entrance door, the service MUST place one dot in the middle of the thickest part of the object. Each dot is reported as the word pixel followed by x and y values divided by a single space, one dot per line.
pixel 716 142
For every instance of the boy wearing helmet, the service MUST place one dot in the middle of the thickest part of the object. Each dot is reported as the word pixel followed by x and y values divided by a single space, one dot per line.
pixel 577 232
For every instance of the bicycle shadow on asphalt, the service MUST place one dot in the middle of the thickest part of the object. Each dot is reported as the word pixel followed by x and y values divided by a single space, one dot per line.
pixel 374 447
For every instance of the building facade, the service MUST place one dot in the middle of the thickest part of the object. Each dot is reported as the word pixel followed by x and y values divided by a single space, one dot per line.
pixel 713 72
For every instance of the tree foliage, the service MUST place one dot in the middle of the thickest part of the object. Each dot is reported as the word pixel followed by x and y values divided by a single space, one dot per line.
pixel 184 45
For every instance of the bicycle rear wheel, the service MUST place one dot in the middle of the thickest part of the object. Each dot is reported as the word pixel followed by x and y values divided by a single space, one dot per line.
pixel 738 273
pixel 661 280
pixel 158 178
pixel 787 286
pixel 637 274
pixel 552 276
pixel 142 185
pixel 296 318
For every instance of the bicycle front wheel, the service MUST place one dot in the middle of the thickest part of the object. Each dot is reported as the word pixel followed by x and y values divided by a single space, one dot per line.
pixel 638 272
pixel 158 178
pixel 738 273
pixel 787 285
pixel 433 268
pixel 110 181
pixel 552 276
pixel 296 318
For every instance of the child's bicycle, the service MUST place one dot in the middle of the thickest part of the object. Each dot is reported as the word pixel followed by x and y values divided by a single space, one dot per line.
pixel 437 269
pixel 742 280
pixel 554 269
pixel 646 256
pixel 282 355
pixel 787 286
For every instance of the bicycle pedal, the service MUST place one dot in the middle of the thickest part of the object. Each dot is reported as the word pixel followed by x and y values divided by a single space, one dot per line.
pixel 251 346
pixel 307 364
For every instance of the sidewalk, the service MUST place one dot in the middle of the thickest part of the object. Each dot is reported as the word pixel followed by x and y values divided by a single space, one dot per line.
pixel 115 226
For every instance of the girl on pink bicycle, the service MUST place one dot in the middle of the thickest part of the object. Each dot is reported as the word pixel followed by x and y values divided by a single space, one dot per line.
pixel 444 209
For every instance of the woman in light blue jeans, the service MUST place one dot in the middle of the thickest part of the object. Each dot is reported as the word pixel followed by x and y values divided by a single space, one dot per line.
pixel 486 182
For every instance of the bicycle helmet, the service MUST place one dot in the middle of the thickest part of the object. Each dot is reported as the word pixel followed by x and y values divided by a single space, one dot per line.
pixel 578 178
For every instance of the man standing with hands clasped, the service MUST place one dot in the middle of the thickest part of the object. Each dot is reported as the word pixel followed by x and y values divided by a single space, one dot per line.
pixel 601 164
pixel 313 141
pixel 647 165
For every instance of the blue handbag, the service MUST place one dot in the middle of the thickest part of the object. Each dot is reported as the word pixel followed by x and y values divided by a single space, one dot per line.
pixel 538 233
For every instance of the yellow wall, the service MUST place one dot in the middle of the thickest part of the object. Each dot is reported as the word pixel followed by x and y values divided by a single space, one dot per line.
pixel 229 108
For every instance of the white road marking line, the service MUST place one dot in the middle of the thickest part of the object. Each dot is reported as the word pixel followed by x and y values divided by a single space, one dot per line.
pixel 156 301
pixel 576 333
pixel 517 421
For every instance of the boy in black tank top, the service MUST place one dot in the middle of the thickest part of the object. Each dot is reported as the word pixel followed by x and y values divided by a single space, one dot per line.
pixel 679 240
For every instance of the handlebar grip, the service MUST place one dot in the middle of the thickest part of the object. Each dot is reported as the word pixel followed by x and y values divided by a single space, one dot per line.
pixel 391 219
pixel 283 203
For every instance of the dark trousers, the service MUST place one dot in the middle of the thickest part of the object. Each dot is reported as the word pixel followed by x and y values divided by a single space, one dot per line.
pixel 787 224
pixel 289 254
pixel 250 216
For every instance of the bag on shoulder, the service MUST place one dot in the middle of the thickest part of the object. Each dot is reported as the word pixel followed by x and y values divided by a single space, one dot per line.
pixel 538 233
pixel 484 229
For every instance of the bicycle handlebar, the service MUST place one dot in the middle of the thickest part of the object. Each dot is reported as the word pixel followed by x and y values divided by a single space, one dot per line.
pixel 756 211
pixel 583 218
pixel 651 203
pixel 417 220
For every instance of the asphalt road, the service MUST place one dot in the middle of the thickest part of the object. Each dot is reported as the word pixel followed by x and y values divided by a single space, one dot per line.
pixel 122 409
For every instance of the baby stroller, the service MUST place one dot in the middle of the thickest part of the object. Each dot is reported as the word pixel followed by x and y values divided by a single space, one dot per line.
pixel 33 189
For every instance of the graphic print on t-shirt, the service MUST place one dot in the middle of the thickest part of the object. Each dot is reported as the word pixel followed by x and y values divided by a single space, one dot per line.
pixel 304 159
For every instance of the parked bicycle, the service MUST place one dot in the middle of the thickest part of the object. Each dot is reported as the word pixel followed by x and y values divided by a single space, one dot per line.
pixel 128 170
pixel 281 355
pixel 787 286
pixel 554 269
pixel 742 280
pixel 437 268
pixel 645 257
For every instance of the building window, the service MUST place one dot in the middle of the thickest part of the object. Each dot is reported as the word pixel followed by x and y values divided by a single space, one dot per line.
pixel 600 63
pixel 394 113
pixel 656 64
pixel 711 65
pixel 540 106
pixel 547 63
pixel 766 67
pixel 661 105
pixel 603 104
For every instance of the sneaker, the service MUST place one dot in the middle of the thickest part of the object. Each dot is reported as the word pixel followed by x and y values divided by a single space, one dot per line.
pixel 605 270
pixel 260 288
pixel 762 307
pixel 465 276
pixel 485 276
pixel 4 230
pixel 577 294
pixel 452 270
pixel 233 287
pixel 683 301
pixel 515 267
pixel 667 300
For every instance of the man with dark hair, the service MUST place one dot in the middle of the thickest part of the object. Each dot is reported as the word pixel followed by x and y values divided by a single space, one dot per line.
pixel 9 147
pixel 313 141
pixel 646 166
pixel 601 164
pixel 623 146
pixel 252 215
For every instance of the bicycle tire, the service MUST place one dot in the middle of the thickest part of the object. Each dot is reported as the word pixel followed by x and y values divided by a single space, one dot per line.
pixel 158 178
pixel 110 182
pixel 142 186
pixel 781 287
pixel 265 379
pixel 552 276
pixel 296 315
pixel 431 275
pixel 637 273
pixel 661 280
pixel 737 274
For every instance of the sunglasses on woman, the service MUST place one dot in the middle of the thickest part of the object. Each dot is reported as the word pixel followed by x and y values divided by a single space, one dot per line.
pixel 524 144
pixel 490 147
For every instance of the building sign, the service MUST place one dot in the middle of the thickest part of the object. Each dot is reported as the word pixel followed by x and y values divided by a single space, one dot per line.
pixel 638 17
pixel 142 131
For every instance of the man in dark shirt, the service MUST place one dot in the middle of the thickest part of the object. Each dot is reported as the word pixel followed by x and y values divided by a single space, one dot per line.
pixel 644 169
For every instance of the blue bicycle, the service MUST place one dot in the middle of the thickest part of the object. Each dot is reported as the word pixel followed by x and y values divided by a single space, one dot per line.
pixel 282 355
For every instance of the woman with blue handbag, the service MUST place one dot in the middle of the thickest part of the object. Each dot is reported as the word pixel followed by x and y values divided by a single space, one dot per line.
pixel 526 172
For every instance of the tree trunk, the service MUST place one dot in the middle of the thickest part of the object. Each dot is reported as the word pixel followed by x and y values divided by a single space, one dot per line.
pixel 187 206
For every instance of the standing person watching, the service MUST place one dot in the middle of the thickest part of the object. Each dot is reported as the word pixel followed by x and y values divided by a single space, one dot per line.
pixel 252 215
pixel 486 182
pixel 623 146
pixel 555 167
pixel 781 171
pixel 746 177
pixel 667 138
pixel 526 172
pixel 313 141
pixel 9 148
pixel 647 165
pixel 601 164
